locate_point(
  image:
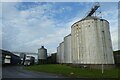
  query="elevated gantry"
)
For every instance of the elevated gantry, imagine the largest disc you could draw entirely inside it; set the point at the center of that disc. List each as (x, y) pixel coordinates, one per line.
(93, 9)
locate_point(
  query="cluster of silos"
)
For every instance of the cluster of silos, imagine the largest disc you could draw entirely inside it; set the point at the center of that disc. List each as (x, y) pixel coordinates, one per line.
(89, 43)
(42, 55)
(64, 50)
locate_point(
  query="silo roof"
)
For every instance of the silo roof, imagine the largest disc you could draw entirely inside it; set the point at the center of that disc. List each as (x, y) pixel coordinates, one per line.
(89, 18)
(42, 47)
(67, 35)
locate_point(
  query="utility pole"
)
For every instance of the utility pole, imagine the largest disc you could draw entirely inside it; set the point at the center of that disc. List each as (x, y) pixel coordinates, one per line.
(102, 68)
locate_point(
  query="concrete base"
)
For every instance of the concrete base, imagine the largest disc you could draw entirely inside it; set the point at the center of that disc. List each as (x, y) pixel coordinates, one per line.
(42, 61)
(94, 66)
(105, 66)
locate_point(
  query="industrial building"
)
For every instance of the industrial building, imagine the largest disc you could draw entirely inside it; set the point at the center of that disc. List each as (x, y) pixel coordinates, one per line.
(9, 58)
(52, 58)
(117, 57)
(42, 55)
(89, 42)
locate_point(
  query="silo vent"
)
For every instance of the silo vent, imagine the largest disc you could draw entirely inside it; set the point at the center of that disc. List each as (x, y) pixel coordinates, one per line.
(42, 46)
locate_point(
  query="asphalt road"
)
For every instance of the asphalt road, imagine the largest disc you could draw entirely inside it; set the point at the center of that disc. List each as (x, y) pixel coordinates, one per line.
(19, 72)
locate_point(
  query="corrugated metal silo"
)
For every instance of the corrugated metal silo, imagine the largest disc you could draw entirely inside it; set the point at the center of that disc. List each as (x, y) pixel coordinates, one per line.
(58, 54)
(67, 49)
(91, 41)
(42, 53)
(62, 52)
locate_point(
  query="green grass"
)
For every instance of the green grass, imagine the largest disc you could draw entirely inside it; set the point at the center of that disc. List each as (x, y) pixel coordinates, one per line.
(74, 72)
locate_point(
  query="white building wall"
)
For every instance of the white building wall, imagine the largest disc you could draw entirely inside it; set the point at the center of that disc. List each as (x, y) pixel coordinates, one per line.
(67, 49)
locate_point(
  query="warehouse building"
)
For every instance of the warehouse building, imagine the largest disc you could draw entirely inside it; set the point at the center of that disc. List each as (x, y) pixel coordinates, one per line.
(52, 58)
(117, 57)
(9, 58)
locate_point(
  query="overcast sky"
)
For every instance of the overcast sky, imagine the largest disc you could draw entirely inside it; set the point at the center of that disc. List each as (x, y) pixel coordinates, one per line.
(26, 26)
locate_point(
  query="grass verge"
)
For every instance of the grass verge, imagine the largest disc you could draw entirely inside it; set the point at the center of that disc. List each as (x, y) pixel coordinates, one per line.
(74, 72)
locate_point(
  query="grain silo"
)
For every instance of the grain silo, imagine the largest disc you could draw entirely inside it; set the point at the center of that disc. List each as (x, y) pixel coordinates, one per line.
(58, 54)
(91, 41)
(42, 55)
(67, 49)
(62, 52)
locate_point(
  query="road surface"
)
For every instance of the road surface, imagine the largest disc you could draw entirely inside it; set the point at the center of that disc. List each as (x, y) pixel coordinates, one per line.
(19, 72)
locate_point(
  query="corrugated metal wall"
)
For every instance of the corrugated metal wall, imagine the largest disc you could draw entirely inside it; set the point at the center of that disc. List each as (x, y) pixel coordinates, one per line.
(91, 42)
(42, 53)
(67, 49)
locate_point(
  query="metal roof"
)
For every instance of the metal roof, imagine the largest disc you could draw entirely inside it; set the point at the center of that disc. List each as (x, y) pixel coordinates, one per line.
(89, 18)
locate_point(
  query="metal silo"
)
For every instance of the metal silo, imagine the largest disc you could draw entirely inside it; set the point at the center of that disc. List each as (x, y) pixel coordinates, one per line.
(91, 41)
(67, 49)
(42, 55)
(62, 52)
(58, 54)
